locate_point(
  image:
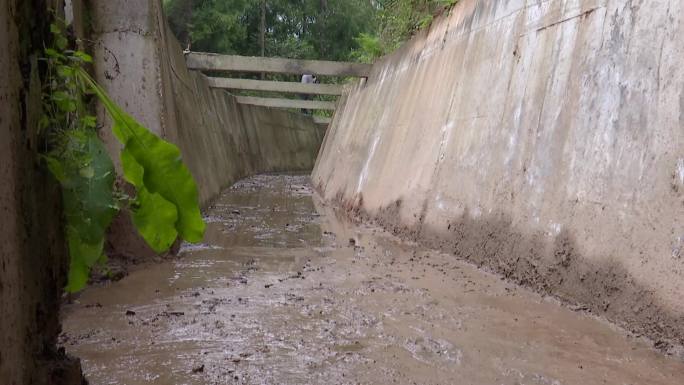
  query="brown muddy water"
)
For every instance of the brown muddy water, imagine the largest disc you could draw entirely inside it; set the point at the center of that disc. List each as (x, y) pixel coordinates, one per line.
(285, 292)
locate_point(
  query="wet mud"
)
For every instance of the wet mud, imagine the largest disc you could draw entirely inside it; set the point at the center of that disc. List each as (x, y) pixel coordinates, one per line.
(283, 291)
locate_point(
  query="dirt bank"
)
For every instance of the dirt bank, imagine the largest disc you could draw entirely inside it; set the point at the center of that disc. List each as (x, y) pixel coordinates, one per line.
(285, 292)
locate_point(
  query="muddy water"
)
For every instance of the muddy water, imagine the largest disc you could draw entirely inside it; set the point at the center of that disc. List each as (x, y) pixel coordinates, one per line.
(283, 292)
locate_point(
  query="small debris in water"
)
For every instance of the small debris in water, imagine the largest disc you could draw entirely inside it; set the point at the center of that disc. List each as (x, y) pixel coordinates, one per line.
(173, 313)
(579, 308)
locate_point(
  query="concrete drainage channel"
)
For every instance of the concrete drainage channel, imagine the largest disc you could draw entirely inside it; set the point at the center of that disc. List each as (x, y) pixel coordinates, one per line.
(284, 291)
(539, 140)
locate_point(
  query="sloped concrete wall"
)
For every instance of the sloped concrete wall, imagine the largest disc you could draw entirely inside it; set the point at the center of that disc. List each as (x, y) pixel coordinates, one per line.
(543, 140)
(141, 65)
(222, 140)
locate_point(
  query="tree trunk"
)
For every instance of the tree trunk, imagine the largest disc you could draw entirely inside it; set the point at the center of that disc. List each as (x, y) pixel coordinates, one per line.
(322, 15)
(262, 33)
(187, 10)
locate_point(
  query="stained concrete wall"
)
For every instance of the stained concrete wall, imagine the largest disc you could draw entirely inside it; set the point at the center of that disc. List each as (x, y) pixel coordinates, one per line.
(543, 140)
(141, 65)
(223, 141)
(33, 257)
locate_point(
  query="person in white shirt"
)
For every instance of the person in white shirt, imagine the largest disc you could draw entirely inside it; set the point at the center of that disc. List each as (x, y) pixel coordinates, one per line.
(307, 79)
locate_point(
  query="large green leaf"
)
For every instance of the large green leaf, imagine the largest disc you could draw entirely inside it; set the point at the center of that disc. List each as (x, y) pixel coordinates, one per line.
(166, 204)
(155, 219)
(86, 174)
(155, 168)
(83, 258)
(153, 216)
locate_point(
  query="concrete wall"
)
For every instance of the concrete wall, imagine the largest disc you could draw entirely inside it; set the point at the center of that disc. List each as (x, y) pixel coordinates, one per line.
(222, 140)
(33, 257)
(141, 65)
(543, 140)
(143, 69)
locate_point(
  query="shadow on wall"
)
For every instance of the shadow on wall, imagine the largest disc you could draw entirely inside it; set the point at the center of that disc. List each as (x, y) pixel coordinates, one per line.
(553, 267)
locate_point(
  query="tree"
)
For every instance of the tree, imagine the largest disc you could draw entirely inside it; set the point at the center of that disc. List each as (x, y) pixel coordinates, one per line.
(210, 25)
(396, 21)
(312, 29)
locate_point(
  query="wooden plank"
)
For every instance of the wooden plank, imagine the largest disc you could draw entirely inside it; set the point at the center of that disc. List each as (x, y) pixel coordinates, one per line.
(263, 85)
(286, 103)
(322, 119)
(233, 63)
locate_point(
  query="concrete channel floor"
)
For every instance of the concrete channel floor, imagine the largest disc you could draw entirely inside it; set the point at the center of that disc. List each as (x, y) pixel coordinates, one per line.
(285, 292)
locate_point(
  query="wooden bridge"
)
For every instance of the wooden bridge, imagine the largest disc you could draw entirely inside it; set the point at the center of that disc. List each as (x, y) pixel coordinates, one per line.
(219, 68)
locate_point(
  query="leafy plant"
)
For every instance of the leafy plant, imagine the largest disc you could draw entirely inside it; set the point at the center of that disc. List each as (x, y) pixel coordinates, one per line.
(369, 49)
(447, 3)
(306, 29)
(167, 195)
(166, 202)
(425, 21)
(397, 21)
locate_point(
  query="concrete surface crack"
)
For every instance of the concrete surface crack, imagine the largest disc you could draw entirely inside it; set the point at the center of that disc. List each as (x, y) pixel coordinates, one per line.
(583, 14)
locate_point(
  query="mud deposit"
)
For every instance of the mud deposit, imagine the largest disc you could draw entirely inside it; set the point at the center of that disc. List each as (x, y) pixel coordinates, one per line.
(284, 292)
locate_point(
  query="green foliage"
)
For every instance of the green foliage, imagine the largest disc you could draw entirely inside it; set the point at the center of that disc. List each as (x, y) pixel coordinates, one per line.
(166, 204)
(164, 184)
(86, 174)
(308, 29)
(77, 160)
(209, 25)
(341, 30)
(369, 49)
(397, 21)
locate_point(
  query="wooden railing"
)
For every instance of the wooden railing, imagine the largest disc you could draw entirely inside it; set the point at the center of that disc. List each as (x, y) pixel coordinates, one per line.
(219, 65)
